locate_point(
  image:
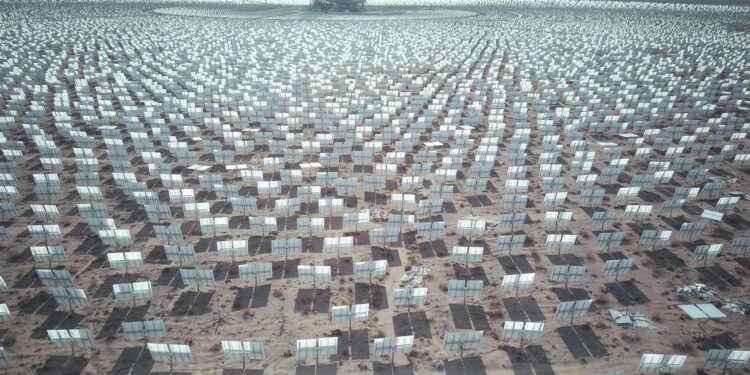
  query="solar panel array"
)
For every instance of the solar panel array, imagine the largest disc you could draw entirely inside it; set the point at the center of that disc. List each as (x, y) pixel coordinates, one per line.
(252, 350)
(522, 330)
(726, 359)
(170, 353)
(518, 282)
(317, 347)
(462, 340)
(409, 296)
(388, 346)
(348, 314)
(71, 338)
(142, 161)
(146, 329)
(4, 361)
(661, 363)
(571, 309)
